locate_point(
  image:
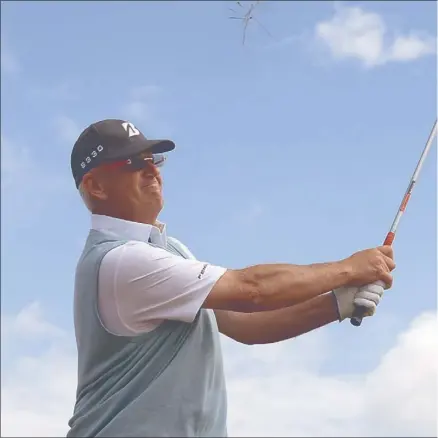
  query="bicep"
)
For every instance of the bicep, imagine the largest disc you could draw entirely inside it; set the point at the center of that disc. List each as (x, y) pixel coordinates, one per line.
(229, 292)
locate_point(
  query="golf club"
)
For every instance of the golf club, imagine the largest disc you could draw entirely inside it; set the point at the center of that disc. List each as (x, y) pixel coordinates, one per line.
(359, 312)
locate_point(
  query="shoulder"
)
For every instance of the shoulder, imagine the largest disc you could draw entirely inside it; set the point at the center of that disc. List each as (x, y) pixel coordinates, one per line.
(133, 255)
(180, 247)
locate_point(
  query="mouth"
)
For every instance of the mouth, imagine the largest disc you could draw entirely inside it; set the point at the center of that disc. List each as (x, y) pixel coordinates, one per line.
(152, 182)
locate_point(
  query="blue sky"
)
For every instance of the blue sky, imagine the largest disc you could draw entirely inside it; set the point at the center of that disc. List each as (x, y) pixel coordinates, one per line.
(296, 148)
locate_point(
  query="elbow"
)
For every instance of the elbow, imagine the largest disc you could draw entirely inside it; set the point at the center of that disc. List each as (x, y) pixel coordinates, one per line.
(248, 342)
(243, 339)
(257, 339)
(237, 290)
(251, 298)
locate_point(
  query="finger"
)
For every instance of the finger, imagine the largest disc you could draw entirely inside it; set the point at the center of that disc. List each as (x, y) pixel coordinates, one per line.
(389, 262)
(366, 296)
(366, 302)
(376, 288)
(386, 250)
(386, 277)
(369, 311)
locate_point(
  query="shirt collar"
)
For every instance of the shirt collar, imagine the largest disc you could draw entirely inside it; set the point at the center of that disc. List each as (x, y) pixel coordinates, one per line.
(130, 230)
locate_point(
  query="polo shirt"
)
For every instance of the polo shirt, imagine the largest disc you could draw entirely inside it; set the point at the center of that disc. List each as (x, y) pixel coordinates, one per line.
(141, 284)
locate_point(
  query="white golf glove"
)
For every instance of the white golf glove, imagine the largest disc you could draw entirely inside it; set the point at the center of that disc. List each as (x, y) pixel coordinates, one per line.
(368, 297)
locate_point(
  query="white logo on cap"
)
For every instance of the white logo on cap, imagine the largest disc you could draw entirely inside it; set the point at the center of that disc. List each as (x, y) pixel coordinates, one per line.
(130, 129)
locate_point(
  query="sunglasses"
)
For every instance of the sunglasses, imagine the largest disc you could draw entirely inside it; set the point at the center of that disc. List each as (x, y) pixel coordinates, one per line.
(138, 162)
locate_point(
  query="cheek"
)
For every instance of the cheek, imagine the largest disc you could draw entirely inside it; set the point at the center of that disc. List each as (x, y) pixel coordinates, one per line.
(122, 186)
(149, 179)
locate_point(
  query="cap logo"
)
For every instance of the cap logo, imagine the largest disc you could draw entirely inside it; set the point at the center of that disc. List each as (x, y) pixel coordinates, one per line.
(87, 160)
(130, 129)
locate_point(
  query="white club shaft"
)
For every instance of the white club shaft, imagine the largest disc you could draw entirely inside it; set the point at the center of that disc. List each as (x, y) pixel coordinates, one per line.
(414, 178)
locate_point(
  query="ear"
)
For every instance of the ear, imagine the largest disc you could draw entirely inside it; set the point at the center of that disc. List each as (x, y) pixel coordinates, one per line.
(94, 186)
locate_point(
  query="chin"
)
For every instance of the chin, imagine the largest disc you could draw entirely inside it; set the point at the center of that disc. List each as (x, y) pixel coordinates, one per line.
(158, 203)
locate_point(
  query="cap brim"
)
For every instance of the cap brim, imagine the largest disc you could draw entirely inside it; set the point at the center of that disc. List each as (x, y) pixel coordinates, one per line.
(159, 146)
(153, 146)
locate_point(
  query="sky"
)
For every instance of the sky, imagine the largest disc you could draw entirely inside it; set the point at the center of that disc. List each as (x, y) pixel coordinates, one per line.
(295, 147)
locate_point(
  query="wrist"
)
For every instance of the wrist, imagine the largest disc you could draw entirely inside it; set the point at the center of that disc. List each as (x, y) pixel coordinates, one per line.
(344, 297)
(336, 305)
(345, 273)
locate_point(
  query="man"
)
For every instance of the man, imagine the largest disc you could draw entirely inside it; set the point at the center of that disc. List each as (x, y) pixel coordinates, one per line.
(148, 314)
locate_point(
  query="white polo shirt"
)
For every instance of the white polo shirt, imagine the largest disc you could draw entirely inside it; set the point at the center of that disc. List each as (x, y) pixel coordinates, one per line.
(140, 285)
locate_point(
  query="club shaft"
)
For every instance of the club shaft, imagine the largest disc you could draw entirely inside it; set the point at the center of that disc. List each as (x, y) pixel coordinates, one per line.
(414, 178)
(359, 312)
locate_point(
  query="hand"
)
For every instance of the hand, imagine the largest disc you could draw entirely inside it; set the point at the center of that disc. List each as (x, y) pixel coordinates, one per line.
(371, 265)
(368, 296)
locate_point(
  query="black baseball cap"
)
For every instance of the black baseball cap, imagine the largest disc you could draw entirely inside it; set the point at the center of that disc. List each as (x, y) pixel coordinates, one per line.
(111, 140)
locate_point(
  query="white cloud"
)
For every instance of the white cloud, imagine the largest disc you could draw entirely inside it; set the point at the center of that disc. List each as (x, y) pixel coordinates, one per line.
(397, 398)
(410, 47)
(274, 390)
(36, 389)
(29, 322)
(355, 33)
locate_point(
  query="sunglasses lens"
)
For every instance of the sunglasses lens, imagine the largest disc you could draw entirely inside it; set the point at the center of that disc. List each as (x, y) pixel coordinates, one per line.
(138, 163)
(159, 159)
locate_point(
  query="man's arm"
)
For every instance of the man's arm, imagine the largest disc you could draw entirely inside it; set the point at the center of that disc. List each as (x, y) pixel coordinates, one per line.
(140, 285)
(274, 286)
(278, 325)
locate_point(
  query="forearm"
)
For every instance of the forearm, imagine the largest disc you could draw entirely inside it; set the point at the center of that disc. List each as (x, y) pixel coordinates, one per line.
(276, 286)
(278, 325)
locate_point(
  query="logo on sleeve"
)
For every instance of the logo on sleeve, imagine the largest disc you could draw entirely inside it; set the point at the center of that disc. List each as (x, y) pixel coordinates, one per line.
(202, 271)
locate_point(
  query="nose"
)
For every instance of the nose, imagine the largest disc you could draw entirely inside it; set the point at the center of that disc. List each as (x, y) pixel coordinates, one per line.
(151, 169)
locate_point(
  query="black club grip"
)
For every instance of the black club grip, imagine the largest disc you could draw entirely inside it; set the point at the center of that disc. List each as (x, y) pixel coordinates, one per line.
(358, 314)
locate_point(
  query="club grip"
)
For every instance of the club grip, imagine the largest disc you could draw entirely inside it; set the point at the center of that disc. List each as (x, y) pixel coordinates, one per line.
(358, 315)
(360, 311)
(389, 238)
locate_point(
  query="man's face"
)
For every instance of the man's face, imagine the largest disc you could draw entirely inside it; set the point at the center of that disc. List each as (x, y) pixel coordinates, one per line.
(135, 189)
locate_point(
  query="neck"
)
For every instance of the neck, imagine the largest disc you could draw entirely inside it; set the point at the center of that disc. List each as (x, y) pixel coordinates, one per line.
(143, 217)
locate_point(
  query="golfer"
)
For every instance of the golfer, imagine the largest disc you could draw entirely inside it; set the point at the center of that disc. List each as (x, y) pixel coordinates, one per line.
(148, 315)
